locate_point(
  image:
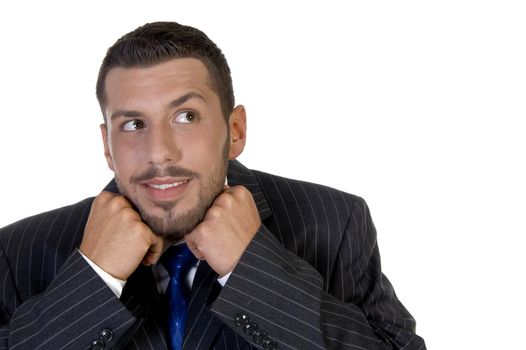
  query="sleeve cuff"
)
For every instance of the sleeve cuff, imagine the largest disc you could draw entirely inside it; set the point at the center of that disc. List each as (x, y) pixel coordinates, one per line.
(116, 285)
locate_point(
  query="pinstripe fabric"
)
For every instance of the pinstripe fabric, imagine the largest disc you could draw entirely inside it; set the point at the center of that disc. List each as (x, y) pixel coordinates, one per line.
(310, 279)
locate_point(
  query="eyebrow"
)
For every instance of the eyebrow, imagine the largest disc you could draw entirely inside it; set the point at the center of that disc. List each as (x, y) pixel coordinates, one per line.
(174, 104)
(184, 98)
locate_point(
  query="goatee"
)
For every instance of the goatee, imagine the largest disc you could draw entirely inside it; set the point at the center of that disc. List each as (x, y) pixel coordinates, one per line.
(174, 225)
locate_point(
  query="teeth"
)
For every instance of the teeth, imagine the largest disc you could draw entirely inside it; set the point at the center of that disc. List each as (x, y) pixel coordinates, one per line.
(166, 186)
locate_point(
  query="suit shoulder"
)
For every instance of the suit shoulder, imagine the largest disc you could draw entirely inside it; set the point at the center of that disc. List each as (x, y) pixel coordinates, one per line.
(66, 218)
(266, 178)
(298, 190)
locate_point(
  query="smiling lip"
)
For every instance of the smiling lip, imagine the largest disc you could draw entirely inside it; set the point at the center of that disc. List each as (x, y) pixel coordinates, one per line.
(162, 189)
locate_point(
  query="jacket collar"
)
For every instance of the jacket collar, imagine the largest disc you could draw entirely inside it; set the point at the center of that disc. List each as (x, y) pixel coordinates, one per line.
(240, 175)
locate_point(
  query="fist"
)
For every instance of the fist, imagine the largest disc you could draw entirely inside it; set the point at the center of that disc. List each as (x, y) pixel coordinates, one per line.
(226, 230)
(116, 239)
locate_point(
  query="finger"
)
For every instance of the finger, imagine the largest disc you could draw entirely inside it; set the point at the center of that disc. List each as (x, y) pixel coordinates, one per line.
(197, 253)
(223, 199)
(113, 202)
(190, 242)
(106, 196)
(154, 253)
(235, 190)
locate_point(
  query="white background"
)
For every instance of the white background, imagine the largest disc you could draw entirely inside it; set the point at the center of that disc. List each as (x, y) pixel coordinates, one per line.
(416, 106)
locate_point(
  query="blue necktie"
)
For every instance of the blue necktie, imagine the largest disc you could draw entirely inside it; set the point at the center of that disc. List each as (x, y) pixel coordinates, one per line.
(177, 260)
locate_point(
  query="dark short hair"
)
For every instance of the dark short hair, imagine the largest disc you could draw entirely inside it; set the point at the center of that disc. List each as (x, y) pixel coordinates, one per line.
(158, 42)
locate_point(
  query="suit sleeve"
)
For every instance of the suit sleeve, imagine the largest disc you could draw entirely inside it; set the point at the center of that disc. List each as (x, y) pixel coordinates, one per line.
(274, 299)
(76, 310)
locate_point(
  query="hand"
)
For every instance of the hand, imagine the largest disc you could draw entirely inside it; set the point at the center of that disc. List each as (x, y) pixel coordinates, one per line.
(116, 239)
(226, 230)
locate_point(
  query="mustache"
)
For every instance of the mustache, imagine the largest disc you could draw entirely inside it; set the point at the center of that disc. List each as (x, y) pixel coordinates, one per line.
(172, 171)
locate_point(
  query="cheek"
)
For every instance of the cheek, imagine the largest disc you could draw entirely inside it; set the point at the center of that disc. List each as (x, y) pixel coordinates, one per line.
(200, 150)
(122, 167)
(125, 157)
(204, 150)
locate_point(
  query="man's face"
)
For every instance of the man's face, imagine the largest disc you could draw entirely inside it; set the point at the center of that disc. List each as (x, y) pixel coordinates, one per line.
(167, 142)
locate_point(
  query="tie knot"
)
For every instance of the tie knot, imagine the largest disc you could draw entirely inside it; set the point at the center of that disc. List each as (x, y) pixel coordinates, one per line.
(177, 260)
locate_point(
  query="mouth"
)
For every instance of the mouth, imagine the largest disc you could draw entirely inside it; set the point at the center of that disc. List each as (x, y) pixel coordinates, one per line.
(166, 189)
(165, 186)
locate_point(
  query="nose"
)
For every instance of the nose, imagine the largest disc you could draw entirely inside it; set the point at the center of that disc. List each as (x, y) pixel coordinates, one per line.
(162, 145)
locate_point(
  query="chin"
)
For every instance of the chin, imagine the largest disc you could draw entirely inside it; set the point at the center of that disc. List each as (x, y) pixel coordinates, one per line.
(173, 224)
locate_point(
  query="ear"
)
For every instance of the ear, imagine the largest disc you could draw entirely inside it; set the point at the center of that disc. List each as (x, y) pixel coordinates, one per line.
(238, 131)
(107, 153)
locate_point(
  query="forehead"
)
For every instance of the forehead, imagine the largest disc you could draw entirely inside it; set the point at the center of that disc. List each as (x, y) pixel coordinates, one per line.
(172, 75)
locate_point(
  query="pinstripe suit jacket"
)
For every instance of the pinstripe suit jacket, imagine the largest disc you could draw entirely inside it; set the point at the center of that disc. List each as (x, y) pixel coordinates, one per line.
(310, 279)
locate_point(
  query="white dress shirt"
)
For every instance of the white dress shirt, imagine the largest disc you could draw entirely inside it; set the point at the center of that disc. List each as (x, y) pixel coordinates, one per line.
(160, 274)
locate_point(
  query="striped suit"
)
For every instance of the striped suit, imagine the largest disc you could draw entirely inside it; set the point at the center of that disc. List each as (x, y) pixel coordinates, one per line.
(310, 279)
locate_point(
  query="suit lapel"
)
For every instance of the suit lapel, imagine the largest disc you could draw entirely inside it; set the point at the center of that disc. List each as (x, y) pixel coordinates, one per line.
(202, 326)
(142, 299)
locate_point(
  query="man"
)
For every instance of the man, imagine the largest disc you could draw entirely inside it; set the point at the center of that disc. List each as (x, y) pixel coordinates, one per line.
(281, 263)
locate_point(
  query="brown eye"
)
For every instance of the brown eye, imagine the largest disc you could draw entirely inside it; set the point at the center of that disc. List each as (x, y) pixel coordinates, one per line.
(133, 125)
(187, 117)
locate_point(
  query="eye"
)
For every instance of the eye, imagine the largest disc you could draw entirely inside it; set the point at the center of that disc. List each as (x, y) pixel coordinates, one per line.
(187, 117)
(133, 125)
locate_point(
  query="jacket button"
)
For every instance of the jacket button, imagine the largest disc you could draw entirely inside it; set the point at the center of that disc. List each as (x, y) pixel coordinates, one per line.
(250, 328)
(260, 336)
(97, 344)
(106, 335)
(270, 344)
(241, 320)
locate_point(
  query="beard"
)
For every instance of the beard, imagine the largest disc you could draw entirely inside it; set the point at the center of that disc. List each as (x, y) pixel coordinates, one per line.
(174, 225)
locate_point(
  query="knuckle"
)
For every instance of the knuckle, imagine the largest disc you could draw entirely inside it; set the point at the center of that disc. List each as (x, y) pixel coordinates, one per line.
(240, 193)
(120, 200)
(204, 231)
(128, 214)
(214, 212)
(239, 190)
(221, 198)
(244, 192)
(140, 237)
(106, 196)
(229, 200)
(118, 203)
(199, 235)
(100, 199)
(114, 206)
